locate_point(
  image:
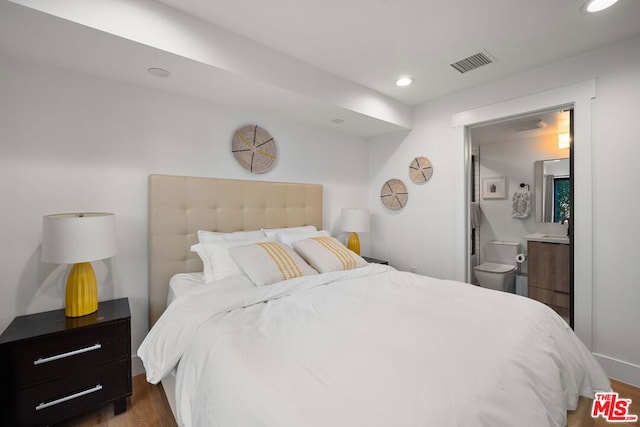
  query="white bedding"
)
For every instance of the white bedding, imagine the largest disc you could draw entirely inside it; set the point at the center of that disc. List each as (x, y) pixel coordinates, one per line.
(182, 283)
(368, 347)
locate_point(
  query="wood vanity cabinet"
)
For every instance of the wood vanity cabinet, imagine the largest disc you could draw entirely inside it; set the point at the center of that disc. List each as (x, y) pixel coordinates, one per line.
(549, 280)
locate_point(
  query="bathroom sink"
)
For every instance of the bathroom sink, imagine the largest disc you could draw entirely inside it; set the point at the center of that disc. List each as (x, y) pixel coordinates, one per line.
(550, 238)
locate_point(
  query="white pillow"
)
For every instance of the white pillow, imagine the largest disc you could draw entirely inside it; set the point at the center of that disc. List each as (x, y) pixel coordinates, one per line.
(270, 262)
(271, 232)
(290, 237)
(216, 260)
(216, 236)
(327, 254)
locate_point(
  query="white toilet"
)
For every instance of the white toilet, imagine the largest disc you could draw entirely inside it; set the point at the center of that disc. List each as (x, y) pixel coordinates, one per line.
(498, 271)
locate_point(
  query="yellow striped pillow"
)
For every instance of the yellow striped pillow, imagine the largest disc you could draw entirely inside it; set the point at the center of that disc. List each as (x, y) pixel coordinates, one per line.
(270, 262)
(328, 254)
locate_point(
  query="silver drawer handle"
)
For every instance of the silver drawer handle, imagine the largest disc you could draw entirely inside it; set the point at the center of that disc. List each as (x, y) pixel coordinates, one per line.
(70, 353)
(43, 405)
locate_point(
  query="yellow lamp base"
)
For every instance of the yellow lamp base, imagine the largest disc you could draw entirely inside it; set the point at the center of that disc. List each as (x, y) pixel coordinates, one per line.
(354, 243)
(82, 291)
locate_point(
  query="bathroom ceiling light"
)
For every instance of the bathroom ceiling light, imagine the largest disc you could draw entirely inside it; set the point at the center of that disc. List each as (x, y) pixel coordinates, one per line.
(598, 5)
(564, 141)
(404, 81)
(159, 72)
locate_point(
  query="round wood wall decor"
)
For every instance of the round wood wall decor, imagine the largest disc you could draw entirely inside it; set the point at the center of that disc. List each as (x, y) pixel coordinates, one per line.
(420, 170)
(254, 148)
(394, 194)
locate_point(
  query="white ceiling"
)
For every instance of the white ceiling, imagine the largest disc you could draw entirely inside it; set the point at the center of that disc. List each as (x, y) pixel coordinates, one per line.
(530, 126)
(372, 42)
(309, 60)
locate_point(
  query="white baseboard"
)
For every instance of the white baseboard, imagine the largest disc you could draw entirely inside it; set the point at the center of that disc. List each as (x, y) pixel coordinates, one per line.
(137, 367)
(625, 372)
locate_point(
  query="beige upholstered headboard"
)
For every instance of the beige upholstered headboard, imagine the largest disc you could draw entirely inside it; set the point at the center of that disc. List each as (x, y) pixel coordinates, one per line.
(179, 206)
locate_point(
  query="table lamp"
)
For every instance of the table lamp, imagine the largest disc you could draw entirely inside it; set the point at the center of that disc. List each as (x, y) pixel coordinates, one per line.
(355, 221)
(78, 239)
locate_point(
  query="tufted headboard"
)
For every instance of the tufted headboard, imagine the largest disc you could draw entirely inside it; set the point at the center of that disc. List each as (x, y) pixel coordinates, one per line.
(179, 206)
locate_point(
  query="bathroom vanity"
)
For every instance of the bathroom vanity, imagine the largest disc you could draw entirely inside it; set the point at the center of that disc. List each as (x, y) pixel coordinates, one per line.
(549, 272)
(549, 255)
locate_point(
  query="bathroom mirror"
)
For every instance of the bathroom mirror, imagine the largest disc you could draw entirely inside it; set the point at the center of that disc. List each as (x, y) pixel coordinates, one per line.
(552, 190)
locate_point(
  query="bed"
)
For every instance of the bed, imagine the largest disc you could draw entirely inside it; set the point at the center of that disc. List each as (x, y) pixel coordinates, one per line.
(366, 346)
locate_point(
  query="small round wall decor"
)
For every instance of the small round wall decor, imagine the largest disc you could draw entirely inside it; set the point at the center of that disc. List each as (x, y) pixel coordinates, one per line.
(394, 194)
(254, 148)
(420, 170)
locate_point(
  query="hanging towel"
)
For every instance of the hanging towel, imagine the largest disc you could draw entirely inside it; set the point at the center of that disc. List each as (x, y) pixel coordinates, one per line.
(521, 207)
(474, 215)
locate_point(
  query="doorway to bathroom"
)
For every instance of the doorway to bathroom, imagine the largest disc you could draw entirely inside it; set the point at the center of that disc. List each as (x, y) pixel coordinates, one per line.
(521, 197)
(579, 96)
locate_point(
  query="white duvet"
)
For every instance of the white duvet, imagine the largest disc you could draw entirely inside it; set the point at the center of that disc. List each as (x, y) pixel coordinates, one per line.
(368, 347)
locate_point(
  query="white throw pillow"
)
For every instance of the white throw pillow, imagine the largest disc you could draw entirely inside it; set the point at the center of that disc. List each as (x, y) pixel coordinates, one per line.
(271, 232)
(270, 262)
(327, 254)
(216, 260)
(289, 237)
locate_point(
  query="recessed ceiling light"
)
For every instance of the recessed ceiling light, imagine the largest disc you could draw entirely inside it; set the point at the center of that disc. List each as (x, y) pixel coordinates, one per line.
(598, 5)
(404, 81)
(159, 72)
(337, 121)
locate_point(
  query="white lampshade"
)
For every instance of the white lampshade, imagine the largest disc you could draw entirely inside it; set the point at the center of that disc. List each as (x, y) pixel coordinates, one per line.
(355, 220)
(70, 238)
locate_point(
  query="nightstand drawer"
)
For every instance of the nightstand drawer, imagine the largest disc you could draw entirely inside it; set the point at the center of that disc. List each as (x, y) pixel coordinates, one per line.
(55, 400)
(47, 357)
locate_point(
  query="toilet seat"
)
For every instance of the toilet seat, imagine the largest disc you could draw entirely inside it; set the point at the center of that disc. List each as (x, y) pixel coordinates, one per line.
(492, 267)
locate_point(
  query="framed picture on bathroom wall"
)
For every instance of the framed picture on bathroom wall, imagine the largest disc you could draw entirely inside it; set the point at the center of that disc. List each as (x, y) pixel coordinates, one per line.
(494, 188)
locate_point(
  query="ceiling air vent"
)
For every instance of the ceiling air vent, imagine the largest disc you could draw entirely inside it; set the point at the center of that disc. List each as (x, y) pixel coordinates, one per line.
(472, 62)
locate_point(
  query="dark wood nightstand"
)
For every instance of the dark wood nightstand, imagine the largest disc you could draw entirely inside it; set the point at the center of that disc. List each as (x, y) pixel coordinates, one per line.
(53, 367)
(375, 260)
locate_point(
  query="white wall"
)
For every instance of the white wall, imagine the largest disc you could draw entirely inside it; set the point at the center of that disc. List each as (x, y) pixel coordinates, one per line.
(423, 233)
(72, 142)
